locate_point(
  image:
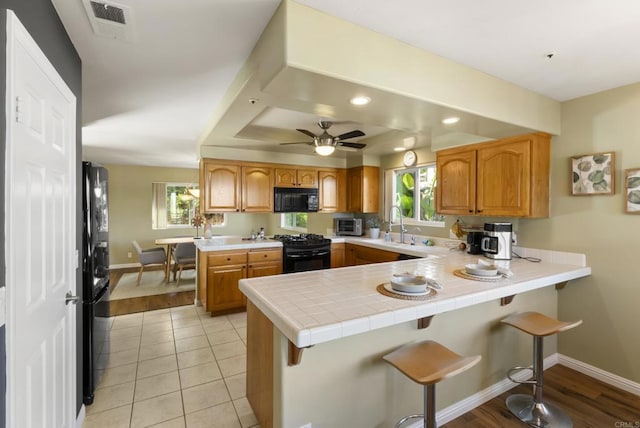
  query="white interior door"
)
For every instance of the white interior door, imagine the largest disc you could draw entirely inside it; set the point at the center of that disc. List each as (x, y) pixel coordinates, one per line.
(40, 238)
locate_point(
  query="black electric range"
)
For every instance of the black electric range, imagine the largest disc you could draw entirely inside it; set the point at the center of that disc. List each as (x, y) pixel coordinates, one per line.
(304, 252)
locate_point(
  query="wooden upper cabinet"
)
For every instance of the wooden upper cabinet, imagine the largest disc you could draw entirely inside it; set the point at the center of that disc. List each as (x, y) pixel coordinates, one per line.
(507, 177)
(229, 187)
(363, 187)
(257, 189)
(220, 187)
(332, 193)
(296, 177)
(457, 174)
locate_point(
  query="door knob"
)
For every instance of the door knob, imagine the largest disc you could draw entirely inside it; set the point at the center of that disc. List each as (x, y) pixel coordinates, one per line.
(70, 298)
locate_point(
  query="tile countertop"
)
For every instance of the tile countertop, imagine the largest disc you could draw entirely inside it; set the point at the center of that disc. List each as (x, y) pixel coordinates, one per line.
(231, 242)
(324, 305)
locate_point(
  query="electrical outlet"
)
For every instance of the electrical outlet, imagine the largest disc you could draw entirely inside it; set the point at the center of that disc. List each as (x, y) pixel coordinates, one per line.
(129, 255)
(514, 239)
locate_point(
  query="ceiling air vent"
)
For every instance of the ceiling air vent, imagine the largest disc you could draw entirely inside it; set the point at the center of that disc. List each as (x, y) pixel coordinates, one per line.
(110, 13)
(110, 19)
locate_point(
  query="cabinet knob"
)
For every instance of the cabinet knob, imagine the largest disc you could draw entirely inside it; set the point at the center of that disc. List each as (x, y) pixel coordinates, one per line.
(266, 255)
(228, 258)
(479, 211)
(471, 211)
(237, 209)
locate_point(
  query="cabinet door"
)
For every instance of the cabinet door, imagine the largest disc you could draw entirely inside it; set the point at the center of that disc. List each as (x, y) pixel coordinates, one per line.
(264, 269)
(337, 255)
(307, 178)
(220, 187)
(456, 188)
(223, 292)
(365, 255)
(354, 190)
(363, 185)
(328, 191)
(503, 179)
(257, 189)
(285, 177)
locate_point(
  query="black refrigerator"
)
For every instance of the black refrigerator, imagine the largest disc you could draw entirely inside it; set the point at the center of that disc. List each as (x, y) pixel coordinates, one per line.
(95, 276)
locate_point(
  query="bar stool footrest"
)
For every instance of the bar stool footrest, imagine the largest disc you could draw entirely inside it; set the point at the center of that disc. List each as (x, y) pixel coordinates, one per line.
(540, 415)
(518, 368)
(402, 421)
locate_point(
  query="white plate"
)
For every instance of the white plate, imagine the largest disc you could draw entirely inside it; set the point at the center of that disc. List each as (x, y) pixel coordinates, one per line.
(387, 286)
(481, 270)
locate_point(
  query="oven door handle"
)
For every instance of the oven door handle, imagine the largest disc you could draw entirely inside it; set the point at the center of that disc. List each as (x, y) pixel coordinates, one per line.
(298, 256)
(321, 253)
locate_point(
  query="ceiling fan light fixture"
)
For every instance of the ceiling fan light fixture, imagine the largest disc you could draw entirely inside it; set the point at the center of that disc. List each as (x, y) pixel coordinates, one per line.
(360, 100)
(324, 150)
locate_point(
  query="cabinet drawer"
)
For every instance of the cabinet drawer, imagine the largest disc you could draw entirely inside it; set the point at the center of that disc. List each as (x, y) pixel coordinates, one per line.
(226, 258)
(265, 255)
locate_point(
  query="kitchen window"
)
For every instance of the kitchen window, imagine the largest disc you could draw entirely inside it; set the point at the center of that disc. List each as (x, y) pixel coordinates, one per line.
(414, 191)
(294, 221)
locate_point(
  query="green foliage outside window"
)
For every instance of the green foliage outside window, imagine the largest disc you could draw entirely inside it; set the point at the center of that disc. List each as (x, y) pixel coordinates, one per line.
(415, 193)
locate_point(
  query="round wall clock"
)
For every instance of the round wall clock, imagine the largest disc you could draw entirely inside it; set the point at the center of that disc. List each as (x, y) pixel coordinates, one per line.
(409, 158)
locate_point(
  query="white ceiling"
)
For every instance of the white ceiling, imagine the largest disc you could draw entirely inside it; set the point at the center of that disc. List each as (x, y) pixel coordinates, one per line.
(146, 102)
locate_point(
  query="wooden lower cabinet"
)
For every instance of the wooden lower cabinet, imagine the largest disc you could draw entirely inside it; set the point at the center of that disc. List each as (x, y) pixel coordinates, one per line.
(222, 270)
(338, 255)
(265, 263)
(359, 255)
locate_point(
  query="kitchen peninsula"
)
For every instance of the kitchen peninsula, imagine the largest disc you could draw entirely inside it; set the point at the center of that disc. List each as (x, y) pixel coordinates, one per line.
(315, 339)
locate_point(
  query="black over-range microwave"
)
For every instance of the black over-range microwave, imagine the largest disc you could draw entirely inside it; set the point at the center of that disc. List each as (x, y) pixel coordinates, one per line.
(295, 200)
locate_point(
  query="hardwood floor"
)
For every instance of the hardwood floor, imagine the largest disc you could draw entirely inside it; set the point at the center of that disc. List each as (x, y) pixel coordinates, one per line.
(146, 303)
(589, 402)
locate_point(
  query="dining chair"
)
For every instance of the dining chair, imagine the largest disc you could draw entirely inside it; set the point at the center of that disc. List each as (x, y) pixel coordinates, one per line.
(184, 256)
(149, 257)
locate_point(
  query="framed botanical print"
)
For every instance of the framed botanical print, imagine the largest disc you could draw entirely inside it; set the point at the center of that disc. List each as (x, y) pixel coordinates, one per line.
(593, 174)
(632, 190)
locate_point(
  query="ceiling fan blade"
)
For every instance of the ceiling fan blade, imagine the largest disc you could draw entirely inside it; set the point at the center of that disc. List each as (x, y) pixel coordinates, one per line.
(310, 143)
(353, 134)
(352, 145)
(305, 132)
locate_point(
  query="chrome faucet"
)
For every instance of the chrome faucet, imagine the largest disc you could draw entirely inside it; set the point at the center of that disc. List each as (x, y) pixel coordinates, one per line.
(402, 228)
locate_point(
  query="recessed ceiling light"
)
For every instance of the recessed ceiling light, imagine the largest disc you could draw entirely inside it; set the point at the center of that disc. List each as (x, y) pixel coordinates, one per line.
(450, 120)
(360, 101)
(399, 149)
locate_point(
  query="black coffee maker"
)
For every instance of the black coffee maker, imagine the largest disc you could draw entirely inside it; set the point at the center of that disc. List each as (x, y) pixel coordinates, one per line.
(474, 242)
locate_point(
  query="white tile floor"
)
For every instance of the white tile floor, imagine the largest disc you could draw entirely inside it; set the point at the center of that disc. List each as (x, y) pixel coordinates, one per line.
(175, 367)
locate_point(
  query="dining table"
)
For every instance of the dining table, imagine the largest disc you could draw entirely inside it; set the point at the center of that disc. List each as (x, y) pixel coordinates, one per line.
(171, 243)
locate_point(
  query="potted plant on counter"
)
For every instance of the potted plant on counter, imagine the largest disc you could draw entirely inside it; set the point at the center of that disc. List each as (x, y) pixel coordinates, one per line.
(374, 227)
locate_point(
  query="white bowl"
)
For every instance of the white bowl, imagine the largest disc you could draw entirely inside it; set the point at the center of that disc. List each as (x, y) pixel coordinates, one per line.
(409, 283)
(481, 270)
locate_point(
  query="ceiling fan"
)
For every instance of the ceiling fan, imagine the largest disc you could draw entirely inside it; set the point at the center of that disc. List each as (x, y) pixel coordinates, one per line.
(325, 143)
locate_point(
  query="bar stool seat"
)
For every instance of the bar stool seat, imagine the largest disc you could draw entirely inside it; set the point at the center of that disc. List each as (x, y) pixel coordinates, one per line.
(428, 363)
(532, 409)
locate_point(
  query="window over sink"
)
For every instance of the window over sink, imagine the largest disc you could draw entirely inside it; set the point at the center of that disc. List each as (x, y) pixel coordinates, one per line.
(414, 191)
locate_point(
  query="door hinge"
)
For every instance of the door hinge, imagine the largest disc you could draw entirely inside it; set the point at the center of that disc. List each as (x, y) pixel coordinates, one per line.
(19, 109)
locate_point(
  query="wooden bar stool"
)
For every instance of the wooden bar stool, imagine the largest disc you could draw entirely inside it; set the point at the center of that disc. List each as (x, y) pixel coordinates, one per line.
(427, 363)
(531, 409)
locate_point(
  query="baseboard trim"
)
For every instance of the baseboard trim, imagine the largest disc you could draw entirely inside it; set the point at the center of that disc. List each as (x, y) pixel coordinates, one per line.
(124, 266)
(601, 375)
(479, 398)
(81, 416)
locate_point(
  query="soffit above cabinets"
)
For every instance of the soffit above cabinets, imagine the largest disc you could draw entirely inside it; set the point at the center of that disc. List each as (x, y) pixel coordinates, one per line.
(297, 75)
